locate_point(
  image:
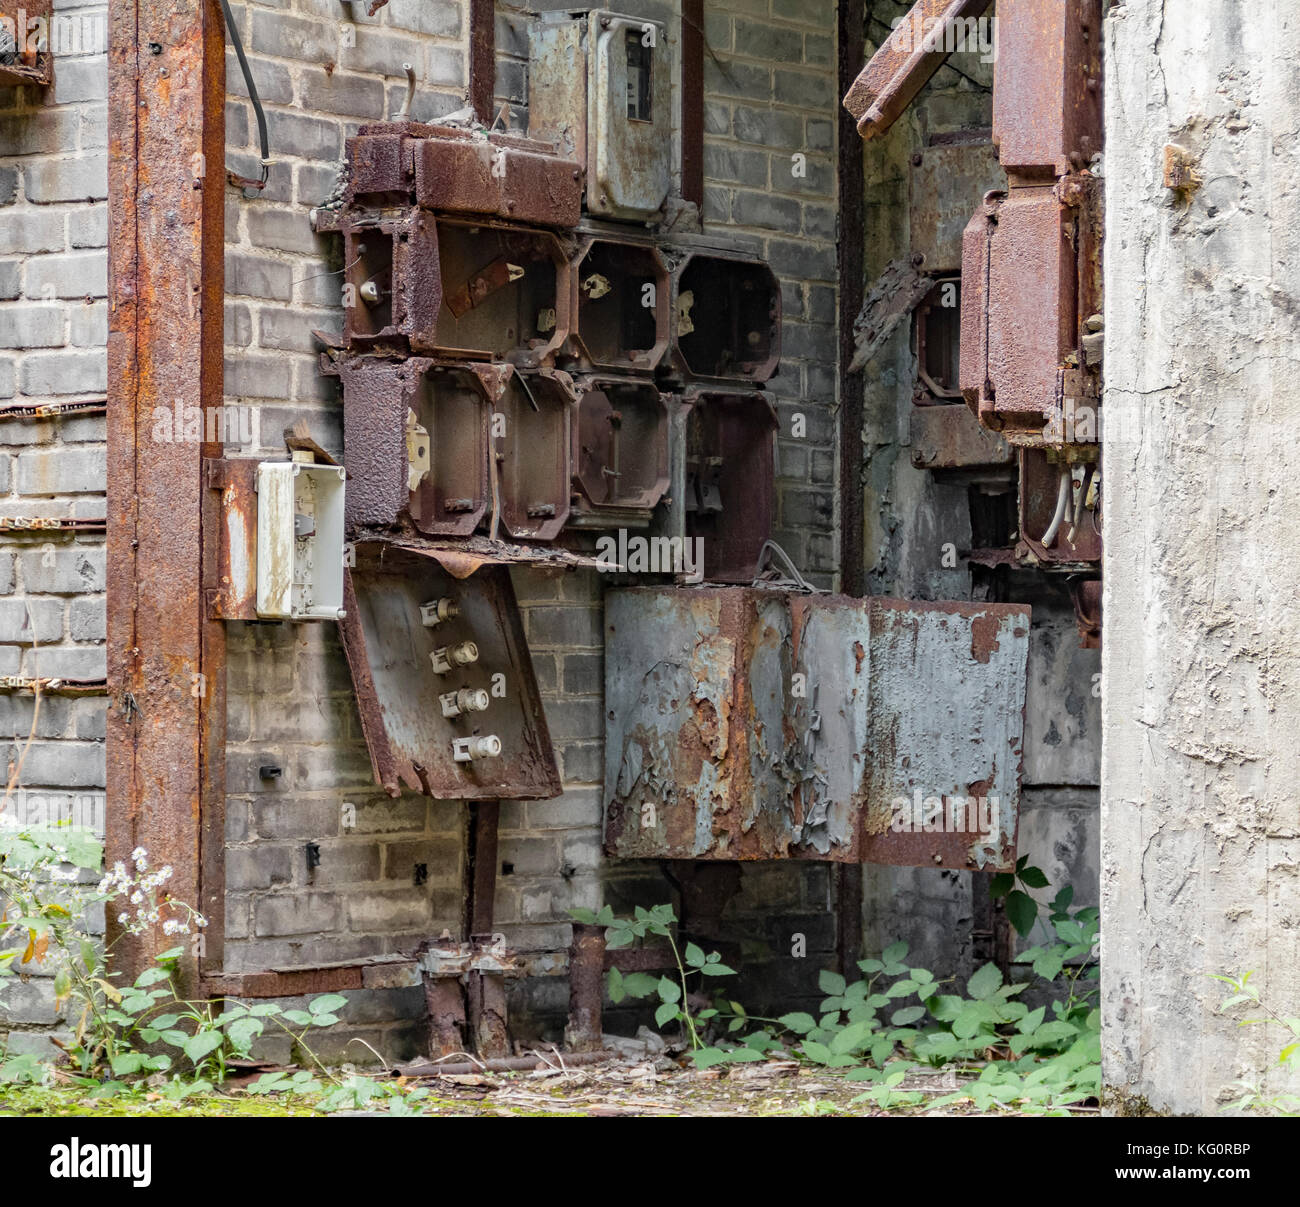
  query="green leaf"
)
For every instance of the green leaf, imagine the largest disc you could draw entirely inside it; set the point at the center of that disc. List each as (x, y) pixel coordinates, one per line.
(745, 1055)
(1031, 1021)
(850, 1038)
(799, 1022)
(669, 990)
(706, 1058)
(616, 991)
(1022, 909)
(327, 1003)
(666, 1012)
(906, 1016)
(717, 970)
(985, 982)
(200, 1045)
(639, 984)
(586, 916)
(1034, 878)
(830, 982)
(125, 1063)
(870, 965)
(894, 952)
(815, 1051)
(1001, 885)
(172, 953)
(694, 956)
(151, 976)
(901, 989)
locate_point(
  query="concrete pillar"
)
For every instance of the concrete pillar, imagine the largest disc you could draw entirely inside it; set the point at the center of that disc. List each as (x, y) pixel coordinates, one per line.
(1201, 651)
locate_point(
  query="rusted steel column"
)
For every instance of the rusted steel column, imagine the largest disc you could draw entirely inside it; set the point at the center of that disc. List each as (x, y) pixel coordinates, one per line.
(693, 101)
(586, 987)
(445, 999)
(166, 660)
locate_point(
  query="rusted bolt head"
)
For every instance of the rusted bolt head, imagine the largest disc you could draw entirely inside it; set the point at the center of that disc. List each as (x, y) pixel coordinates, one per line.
(918, 259)
(917, 159)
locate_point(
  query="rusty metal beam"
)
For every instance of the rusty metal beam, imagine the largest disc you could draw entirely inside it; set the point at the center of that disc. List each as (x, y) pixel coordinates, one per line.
(166, 661)
(904, 63)
(693, 99)
(482, 58)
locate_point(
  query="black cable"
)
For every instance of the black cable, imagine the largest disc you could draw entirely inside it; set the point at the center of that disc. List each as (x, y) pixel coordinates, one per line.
(252, 90)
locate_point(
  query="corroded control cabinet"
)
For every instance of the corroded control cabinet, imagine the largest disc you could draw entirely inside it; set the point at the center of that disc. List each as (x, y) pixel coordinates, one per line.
(762, 724)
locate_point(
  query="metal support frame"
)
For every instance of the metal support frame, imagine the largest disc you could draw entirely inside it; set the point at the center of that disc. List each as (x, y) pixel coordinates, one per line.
(166, 659)
(852, 265)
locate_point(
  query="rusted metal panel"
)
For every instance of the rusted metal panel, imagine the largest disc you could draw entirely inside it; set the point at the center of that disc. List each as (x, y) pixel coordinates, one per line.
(621, 306)
(946, 725)
(726, 318)
(26, 56)
(517, 179)
(905, 62)
(380, 168)
(946, 184)
(1019, 319)
(950, 437)
(894, 294)
(620, 449)
(1047, 86)
(392, 287)
(166, 659)
(730, 478)
(749, 724)
(374, 972)
(402, 667)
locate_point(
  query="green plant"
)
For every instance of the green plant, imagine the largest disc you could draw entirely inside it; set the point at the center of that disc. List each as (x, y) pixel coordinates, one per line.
(1022, 909)
(674, 994)
(1254, 1098)
(898, 1016)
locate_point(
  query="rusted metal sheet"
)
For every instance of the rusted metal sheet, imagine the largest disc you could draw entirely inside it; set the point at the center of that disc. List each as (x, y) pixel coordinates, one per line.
(166, 659)
(1047, 86)
(1019, 318)
(905, 62)
(1086, 595)
(620, 449)
(531, 438)
(750, 724)
(381, 172)
(950, 437)
(894, 294)
(621, 305)
(233, 596)
(730, 478)
(403, 668)
(726, 318)
(946, 183)
(374, 972)
(26, 56)
(392, 288)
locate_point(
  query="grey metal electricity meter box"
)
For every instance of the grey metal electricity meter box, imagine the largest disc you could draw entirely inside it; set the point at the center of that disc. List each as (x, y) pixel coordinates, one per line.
(600, 87)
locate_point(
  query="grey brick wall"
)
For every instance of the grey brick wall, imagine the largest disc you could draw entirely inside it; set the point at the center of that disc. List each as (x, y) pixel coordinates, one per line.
(769, 173)
(53, 332)
(289, 704)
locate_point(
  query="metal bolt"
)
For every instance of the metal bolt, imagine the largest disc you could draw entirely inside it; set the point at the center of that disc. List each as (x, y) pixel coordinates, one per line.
(917, 159)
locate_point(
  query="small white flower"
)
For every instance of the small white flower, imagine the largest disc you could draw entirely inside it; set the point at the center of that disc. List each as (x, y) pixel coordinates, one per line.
(123, 919)
(137, 897)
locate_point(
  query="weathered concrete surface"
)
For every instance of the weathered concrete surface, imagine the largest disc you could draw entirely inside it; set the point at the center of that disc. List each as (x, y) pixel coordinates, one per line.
(1201, 650)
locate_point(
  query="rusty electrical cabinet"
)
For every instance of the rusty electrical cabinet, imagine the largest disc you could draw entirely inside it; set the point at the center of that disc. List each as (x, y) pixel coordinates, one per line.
(621, 309)
(754, 724)
(730, 492)
(392, 289)
(445, 687)
(726, 316)
(1047, 86)
(621, 451)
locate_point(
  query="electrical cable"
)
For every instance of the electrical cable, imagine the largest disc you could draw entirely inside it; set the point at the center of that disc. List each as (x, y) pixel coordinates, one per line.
(263, 136)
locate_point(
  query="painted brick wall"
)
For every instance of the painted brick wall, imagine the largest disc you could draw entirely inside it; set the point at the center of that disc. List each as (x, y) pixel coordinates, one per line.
(53, 331)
